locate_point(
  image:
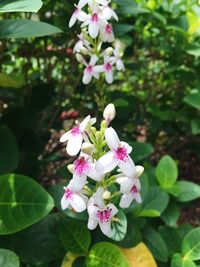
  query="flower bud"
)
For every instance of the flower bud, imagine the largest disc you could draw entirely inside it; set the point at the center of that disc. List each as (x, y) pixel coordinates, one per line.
(70, 168)
(84, 51)
(109, 113)
(139, 170)
(79, 58)
(106, 195)
(88, 148)
(108, 51)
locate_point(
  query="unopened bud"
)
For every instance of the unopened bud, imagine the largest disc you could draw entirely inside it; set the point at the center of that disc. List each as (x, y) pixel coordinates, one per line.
(88, 148)
(70, 168)
(139, 170)
(109, 51)
(106, 195)
(84, 51)
(79, 58)
(109, 113)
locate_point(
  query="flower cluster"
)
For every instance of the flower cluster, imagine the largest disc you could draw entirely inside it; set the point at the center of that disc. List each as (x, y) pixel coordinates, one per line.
(96, 30)
(100, 152)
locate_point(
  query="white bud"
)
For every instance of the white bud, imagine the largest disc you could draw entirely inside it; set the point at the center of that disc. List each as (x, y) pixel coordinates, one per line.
(139, 170)
(79, 58)
(109, 113)
(70, 168)
(106, 195)
(88, 148)
(109, 51)
(84, 51)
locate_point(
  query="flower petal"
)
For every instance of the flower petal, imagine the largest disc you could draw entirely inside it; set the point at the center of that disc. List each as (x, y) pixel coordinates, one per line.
(93, 30)
(74, 144)
(98, 199)
(77, 203)
(79, 181)
(93, 60)
(106, 163)
(84, 123)
(139, 170)
(93, 173)
(92, 224)
(72, 20)
(126, 145)
(109, 77)
(127, 167)
(64, 203)
(87, 77)
(112, 138)
(82, 16)
(99, 68)
(114, 210)
(125, 184)
(65, 137)
(126, 200)
(138, 198)
(82, 3)
(105, 228)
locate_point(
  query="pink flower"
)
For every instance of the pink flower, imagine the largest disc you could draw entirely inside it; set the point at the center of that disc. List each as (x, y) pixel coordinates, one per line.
(89, 71)
(75, 137)
(99, 213)
(107, 68)
(117, 156)
(78, 13)
(107, 34)
(73, 197)
(130, 187)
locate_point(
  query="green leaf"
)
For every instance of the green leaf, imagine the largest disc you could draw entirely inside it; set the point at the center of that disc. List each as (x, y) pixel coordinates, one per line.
(23, 202)
(179, 261)
(105, 254)
(121, 29)
(119, 227)
(9, 154)
(171, 214)
(20, 6)
(156, 244)
(194, 50)
(141, 150)
(191, 245)
(75, 236)
(187, 191)
(155, 202)
(8, 258)
(193, 98)
(195, 126)
(166, 172)
(13, 81)
(22, 28)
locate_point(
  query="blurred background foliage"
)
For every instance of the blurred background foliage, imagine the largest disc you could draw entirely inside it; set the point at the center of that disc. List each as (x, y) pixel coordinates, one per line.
(157, 97)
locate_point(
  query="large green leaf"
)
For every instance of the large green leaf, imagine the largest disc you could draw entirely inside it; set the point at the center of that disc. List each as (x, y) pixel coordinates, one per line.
(179, 261)
(191, 245)
(105, 254)
(75, 236)
(141, 150)
(20, 6)
(13, 81)
(23, 202)
(154, 204)
(171, 214)
(187, 191)
(166, 172)
(9, 155)
(8, 258)
(22, 28)
(193, 98)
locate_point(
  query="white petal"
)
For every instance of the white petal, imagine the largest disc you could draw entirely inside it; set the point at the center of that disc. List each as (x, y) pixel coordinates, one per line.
(120, 65)
(95, 75)
(65, 137)
(72, 20)
(77, 203)
(99, 68)
(127, 167)
(80, 181)
(105, 228)
(64, 203)
(138, 198)
(109, 77)
(106, 163)
(114, 210)
(74, 186)
(93, 30)
(93, 60)
(78, 46)
(139, 170)
(82, 16)
(87, 77)
(82, 3)
(84, 123)
(126, 184)
(92, 224)
(98, 199)
(112, 138)
(126, 145)
(92, 173)
(107, 13)
(126, 200)
(74, 144)
(85, 198)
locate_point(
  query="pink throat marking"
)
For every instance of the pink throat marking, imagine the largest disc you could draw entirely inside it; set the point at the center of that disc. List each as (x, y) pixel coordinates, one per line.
(121, 154)
(95, 17)
(81, 165)
(68, 193)
(108, 67)
(109, 29)
(104, 215)
(134, 190)
(89, 69)
(75, 131)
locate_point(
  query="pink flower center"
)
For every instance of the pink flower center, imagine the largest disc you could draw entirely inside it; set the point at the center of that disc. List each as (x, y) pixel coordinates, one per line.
(121, 153)
(109, 29)
(81, 165)
(75, 131)
(134, 189)
(89, 69)
(104, 215)
(108, 67)
(68, 193)
(95, 17)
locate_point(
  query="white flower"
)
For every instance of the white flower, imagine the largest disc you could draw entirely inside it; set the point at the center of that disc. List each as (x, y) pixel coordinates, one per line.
(99, 213)
(81, 44)
(118, 156)
(107, 68)
(108, 13)
(75, 137)
(89, 71)
(107, 34)
(73, 197)
(78, 14)
(117, 59)
(109, 113)
(130, 188)
(84, 167)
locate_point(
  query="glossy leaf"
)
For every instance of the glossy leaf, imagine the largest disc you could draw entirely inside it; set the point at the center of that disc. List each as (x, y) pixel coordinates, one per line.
(23, 202)
(22, 28)
(179, 261)
(171, 214)
(191, 245)
(187, 191)
(8, 258)
(105, 254)
(141, 150)
(20, 6)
